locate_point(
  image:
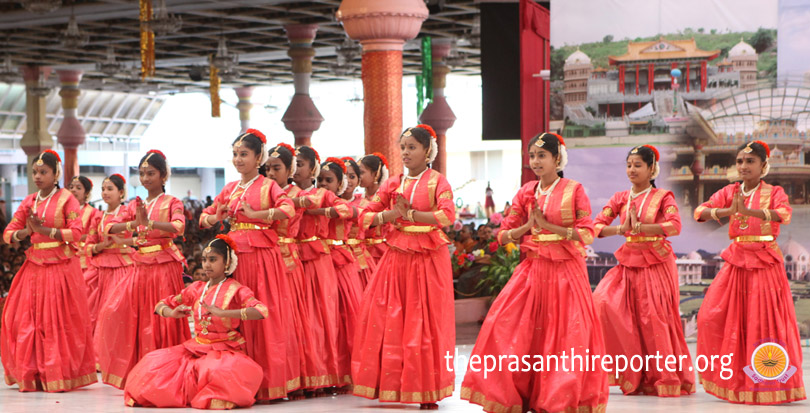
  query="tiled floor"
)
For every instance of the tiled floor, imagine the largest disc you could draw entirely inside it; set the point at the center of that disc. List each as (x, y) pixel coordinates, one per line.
(101, 398)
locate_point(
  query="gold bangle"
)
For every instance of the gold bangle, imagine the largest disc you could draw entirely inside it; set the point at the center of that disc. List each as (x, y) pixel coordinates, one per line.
(410, 215)
(14, 236)
(270, 213)
(160, 313)
(569, 233)
(767, 214)
(150, 225)
(129, 226)
(53, 233)
(243, 313)
(714, 214)
(380, 218)
(636, 228)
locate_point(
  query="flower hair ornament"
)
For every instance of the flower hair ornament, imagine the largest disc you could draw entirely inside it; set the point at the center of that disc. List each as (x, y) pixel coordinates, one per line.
(262, 138)
(275, 154)
(316, 170)
(381, 174)
(230, 260)
(58, 171)
(339, 163)
(657, 157)
(561, 149)
(152, 152)
(767, 168)
(121, 177)
(434, 146)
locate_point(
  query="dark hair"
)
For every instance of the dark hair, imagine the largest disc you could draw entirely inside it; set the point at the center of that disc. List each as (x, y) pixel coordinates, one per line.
(338, 171)
(284, 154)
(647, 155)
(221, 248)
(421, 135)
(550, 143)
(757, 149)
(117, 181)
(158, 162)
(48, 159)
(308, 154)
(351, 163)
(86, 183)
(253, 142)
(374, 164)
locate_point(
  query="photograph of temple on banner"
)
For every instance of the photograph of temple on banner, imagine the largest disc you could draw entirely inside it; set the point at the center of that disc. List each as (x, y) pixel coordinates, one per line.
(696, 85)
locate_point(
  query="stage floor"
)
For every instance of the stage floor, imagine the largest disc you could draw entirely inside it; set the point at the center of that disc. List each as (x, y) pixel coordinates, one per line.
(101, 398)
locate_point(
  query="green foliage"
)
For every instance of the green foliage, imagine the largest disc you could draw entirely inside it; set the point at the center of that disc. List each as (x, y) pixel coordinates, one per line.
(762, 39)
(607, 39)
(497, 274)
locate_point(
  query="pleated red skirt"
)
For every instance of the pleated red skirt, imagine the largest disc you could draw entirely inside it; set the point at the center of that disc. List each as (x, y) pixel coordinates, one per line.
(45, 340)
(350, 292)
(639, 311)
(271, 342)
(128, 328)
(319, 295)
(743, 309)
(101, 282)
(545, 309)
(405, 327)
(193, 375)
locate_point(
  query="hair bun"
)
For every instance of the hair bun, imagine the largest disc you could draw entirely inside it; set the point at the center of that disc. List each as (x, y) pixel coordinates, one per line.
(337, 162)
(120, 177)
(258, 134)
(428, 129)
(53, 152)
(157, 152)
(228, 241)
(287, 147)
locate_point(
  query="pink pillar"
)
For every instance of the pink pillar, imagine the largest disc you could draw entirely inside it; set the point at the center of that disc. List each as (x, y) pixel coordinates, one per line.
(71, 133)
(244, 106)
(36, 137)
(302, 117)
(438, 113)
(382, 27)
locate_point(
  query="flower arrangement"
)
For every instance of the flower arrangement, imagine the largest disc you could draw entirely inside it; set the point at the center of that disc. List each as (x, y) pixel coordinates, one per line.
(499, 272)
(461, 260)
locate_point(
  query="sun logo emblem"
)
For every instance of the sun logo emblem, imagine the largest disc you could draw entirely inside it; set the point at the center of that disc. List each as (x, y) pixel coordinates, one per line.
(769, 361)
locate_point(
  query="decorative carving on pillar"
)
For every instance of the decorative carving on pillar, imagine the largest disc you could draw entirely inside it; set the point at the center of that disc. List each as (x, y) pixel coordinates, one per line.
(438, 113)
(302, 117)
(382, 27)
(36, 137)
(244, 94)
(71, 133)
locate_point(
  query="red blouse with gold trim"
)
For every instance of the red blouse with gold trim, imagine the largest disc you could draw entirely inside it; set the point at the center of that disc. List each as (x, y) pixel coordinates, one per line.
(61, 211)
(567, 207)
(752, 254)
(262, 194)
(115, 255)
(432, 193)
(287, 230)
(156, 246)
(356, 236)
(314, 229)
(339, 230)
(89, 217)
(219, 333)
(659, 208)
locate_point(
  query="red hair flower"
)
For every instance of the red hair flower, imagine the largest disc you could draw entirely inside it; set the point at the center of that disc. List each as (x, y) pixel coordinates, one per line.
(258, 134)
(382, 158)
(655, 151)
(286, 146)
(347, 158)
(228, 241)
(52, 152)
(764, 145)
(559, 138)
(337, 162)
(317, 156)
(428, 129)
(120, 176)
(157, 152)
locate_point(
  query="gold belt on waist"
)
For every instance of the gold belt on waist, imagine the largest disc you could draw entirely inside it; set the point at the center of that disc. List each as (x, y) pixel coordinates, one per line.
(333, 242)
(115, 247)
(282, 240)
(154, 248)
(416, 229)
(310, 239)
(547, 238)
(353, 242)
(754, 238)
(203, 340)
(246, 226)
(374, 241)
(47, 245)
(639, 239)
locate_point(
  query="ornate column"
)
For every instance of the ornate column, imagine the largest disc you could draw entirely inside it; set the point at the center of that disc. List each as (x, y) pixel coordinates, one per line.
(71, 134)
(36, 137)
(244, 106)
(302, 117)
(382, 27)
(438, 113)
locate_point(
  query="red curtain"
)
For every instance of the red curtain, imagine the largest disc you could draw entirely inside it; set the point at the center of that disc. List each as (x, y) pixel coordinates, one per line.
(535, 55)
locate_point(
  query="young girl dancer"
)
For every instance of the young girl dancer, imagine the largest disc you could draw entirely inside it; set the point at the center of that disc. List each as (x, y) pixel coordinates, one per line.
(212, 370)
(252, 205)
(45, 341)
(355, 242)
(747, 323)
(81, 188)
(111, 256)
(373, 172)
(546, 307)
(406, 322)
(638, 300)
(127, 327)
